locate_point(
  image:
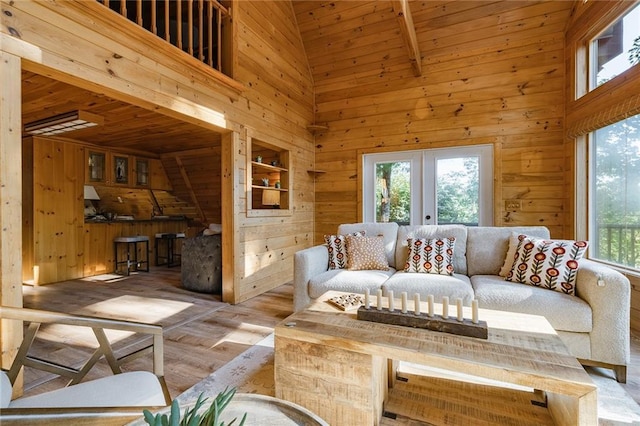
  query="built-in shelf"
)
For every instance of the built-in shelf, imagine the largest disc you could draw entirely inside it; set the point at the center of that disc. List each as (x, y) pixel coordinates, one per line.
(268, 177)
(269, 167)
(316, 172)
(272, 188)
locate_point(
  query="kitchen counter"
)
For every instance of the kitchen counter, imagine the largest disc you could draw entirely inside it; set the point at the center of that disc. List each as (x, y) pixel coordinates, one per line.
(155, 219)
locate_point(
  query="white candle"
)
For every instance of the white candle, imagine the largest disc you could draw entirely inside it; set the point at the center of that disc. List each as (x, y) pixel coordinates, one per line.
(430, 305)
(367, 302)
(459, 307)
(416, 303)
(404, 302)
(445, 307)
(391, 304)
(379, 305)
(474, 311)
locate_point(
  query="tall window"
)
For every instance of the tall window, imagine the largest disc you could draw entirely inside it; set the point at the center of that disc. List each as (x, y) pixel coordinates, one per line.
(437, 186)
(615, 193)
(616, 49)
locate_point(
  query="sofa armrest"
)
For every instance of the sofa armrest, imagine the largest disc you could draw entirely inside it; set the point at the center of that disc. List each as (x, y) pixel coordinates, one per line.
(608, 292)
(307, 263)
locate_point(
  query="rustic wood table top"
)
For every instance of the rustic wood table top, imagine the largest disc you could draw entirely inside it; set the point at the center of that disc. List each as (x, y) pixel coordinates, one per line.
(521, 349)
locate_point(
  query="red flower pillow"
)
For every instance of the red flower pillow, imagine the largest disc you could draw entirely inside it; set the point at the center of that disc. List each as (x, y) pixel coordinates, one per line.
(550, 264)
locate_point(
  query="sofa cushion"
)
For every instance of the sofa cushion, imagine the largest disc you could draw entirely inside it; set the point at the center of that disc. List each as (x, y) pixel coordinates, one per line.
(349, 281)
(454, 286)
(487, 246)
(548, 264)
(389, 232)
(564, 312)
(431, 256)
(337, 246)
(366, 253)
(459, 232)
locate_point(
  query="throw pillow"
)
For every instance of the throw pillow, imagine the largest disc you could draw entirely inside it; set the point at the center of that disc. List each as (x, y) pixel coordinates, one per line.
(431, 256)
(511, 255)
(336, 245)
(366, 253)
(551, 264)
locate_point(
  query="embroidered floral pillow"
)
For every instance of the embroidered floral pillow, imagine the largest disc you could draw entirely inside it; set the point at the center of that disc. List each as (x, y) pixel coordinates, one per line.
(431, 256)
(550, 264)
(337, 247)
(366, 253)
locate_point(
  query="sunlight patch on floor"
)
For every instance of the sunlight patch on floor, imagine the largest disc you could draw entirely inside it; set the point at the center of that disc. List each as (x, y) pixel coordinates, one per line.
(136, 308)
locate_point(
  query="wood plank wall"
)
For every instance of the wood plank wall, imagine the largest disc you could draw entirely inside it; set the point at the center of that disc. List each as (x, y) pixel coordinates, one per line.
(56, 239)
(273, 65)
(491, 73)
(611, 102)
(78, 43)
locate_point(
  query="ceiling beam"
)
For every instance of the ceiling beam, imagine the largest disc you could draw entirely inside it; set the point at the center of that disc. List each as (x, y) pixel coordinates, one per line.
(408, 30)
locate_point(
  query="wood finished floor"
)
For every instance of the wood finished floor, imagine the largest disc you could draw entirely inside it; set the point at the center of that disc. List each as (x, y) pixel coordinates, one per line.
(195, 347)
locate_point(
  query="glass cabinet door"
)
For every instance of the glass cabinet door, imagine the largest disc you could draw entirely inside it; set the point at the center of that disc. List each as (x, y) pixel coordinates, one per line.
(96, 167)
(121, 169)
(142, 172)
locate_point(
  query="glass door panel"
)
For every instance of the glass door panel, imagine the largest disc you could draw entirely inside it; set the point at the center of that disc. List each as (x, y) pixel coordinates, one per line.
(457, 190)
(393, 192)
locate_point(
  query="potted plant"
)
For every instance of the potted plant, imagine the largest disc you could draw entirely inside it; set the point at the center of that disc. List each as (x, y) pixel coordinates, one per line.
(196, 415)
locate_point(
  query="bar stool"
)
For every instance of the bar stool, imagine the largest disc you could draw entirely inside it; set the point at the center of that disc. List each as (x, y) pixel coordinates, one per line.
(132, 261)
(173, 257)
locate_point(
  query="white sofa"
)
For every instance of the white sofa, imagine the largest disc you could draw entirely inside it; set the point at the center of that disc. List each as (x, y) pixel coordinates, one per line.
(594, 324)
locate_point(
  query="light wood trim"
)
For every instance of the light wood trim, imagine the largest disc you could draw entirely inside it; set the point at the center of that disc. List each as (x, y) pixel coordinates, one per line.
(11, 226)
(408, 30)
(230, 211)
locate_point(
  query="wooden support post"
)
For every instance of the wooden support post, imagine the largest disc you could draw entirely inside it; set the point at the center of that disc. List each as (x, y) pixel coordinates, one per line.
(10, 202)
(231, 168)
(408, 31)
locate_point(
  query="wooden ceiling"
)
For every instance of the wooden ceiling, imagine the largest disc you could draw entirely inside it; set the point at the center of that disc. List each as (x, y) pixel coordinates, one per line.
(355, 47)
(352, 47)
(126, 128)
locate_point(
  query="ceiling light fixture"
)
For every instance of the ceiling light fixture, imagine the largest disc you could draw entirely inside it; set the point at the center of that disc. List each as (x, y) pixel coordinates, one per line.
(67, 122)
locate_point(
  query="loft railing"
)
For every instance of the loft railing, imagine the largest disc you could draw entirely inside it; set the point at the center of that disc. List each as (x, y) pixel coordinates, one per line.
(618, 244)
(194, 26)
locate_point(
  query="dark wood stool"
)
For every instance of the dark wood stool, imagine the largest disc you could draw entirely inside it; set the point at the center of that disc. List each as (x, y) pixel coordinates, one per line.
(173, 257)
(132, 262)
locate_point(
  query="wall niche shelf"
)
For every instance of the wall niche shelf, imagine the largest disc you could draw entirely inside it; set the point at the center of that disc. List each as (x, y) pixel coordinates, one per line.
(268, 177)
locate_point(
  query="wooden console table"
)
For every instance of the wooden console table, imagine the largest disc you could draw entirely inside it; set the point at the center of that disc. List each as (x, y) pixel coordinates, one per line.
(342, 369)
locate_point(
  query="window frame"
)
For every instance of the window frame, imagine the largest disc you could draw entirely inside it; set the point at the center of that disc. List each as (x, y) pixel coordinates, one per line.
(422, 160)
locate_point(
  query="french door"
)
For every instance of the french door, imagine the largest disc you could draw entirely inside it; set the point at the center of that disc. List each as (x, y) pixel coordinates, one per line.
(435, 186)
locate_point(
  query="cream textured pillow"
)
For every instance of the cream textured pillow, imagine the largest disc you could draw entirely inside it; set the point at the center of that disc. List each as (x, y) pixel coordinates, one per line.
(336, 244)
(431, 256)
(551, 264)
(366, 253)
(511, 255)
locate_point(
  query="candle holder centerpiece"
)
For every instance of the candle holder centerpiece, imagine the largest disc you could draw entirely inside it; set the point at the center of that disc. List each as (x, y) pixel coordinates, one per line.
(471, 327)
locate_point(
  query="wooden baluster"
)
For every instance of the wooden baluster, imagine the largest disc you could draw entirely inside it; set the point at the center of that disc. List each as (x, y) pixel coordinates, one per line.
(123, 8)
(139, 12)
(219, 42)
(200, 23)
(154, 18)
(179, 26)
(190, 25)
(210, 31)
(166, 22)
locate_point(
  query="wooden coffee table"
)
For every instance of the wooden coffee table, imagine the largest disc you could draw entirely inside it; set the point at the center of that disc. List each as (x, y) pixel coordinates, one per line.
(343, 369)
